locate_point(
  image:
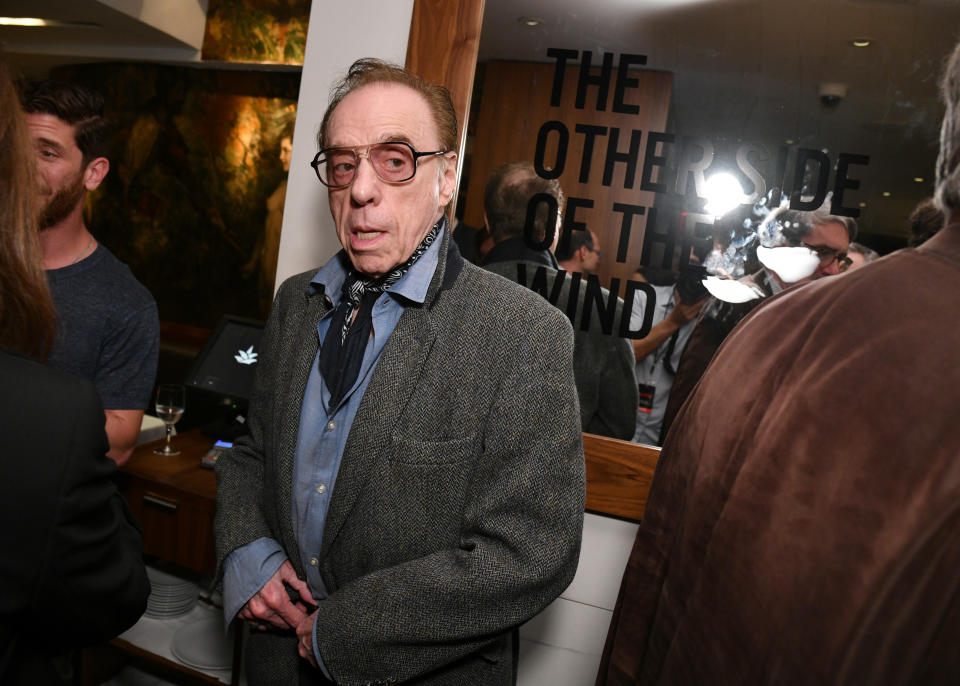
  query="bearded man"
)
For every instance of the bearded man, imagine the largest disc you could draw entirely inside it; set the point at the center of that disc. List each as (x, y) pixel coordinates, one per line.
(109, 331)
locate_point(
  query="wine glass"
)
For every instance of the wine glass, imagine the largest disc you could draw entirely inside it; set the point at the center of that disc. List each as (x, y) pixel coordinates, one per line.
(170, 405)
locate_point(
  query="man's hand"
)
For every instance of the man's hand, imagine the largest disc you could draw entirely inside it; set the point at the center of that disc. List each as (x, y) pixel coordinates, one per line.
(271, 604)
(683, 312)
(305, 638)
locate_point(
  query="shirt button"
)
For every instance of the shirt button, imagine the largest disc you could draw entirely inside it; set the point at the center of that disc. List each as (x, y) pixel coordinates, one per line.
(331, 425)
(322, 488)
(314, 562)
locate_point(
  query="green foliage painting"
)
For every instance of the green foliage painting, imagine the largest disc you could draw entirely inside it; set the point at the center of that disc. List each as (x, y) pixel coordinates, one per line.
(195, 156)
(256, 30)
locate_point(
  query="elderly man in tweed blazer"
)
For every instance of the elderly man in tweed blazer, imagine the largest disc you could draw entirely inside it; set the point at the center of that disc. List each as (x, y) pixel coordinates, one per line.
(412, 487)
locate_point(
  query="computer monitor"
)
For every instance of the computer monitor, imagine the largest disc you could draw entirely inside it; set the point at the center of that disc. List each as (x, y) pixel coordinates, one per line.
(227, 363)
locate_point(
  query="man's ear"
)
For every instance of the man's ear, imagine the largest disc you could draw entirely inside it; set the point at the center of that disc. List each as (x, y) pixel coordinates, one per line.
(95, 172)
(448, 178)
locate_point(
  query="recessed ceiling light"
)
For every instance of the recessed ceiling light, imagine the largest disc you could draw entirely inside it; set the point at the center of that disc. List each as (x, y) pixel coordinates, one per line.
(918, 179)
(36, 21)
(789, 141)
(886, 194)
(861, 42)
(862, 204)
(530, 21)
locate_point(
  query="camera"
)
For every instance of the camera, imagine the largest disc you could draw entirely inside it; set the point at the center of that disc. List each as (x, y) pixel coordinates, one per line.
(690, 286)
(832, 93)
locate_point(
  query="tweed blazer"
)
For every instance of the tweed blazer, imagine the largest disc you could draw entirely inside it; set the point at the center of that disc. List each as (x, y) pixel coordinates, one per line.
(604, 366)
(458, 506)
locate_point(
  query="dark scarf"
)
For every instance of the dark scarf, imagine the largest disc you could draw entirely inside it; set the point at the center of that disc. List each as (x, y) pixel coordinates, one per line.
(342, 355)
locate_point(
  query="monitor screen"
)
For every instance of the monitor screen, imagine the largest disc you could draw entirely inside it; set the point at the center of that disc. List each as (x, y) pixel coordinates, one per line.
(229, 359)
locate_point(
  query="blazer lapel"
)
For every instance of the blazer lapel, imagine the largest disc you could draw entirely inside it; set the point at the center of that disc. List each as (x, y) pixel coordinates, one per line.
(394, 379)
(396, 375)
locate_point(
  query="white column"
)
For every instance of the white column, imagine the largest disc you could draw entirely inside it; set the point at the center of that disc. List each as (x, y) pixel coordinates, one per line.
(339, 33)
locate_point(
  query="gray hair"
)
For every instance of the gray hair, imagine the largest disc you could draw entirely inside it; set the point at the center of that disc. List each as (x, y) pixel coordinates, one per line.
(796, 225)
(948, 162)
(869, 255)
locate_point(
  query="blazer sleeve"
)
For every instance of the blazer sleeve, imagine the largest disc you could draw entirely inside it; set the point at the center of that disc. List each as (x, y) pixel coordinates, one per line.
(240, 516)
(519, 534)
(92, 584)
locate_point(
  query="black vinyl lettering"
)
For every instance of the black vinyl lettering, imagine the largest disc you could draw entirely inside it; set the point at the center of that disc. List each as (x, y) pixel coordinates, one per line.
(533, 206)
(695, 166)
(601, 80)
(594, 300)
(842, 183)
(561, 56)
(629, 212)
(751, 172)
(805, 155)
(650, 236)
(629, 158)
(651, 160)
(590, 133)
(539, 283)
(628, 297)
(625, 81)
(563, 141)
(573, 297)
(570, 222)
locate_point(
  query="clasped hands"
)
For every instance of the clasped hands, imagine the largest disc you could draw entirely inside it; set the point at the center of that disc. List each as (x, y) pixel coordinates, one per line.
(276, 606)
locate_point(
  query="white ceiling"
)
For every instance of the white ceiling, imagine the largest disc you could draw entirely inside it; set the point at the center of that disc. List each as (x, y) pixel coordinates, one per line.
(743, 69)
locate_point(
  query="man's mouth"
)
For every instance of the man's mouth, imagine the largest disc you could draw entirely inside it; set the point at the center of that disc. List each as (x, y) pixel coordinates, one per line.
(366, 235)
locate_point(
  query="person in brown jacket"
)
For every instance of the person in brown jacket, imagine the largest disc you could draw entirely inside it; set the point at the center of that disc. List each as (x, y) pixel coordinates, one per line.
(803, 526)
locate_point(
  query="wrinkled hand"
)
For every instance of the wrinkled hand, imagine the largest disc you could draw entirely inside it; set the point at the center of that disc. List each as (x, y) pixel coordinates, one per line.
(271, 604)
(682, 312)
(305, 638)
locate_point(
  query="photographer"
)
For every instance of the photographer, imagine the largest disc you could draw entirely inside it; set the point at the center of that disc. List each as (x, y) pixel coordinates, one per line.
(678, 303)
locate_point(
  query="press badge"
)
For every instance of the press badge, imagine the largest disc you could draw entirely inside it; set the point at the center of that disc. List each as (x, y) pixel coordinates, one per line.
(646, 392)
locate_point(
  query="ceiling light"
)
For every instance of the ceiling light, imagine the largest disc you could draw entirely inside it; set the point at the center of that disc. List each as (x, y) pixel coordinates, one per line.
(886, 194)
(861, 42)
(789, 141)
(530, 21)
(36, 21)
(918, 179)
(862, 204)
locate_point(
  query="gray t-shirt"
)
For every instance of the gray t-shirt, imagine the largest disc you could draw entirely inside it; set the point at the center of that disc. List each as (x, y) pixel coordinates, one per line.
(108, 329)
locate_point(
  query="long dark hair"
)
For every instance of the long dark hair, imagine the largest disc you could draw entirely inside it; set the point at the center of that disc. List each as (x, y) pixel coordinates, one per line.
(27, 314)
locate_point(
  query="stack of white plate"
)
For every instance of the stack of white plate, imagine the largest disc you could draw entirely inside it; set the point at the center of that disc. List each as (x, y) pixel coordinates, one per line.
(170, 596)
(203, 644)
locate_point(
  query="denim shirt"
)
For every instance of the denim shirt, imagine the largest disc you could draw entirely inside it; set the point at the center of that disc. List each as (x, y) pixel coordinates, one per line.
(322, 436)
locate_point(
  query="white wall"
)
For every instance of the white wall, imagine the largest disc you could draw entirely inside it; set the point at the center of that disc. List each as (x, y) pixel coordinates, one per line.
(339, 33)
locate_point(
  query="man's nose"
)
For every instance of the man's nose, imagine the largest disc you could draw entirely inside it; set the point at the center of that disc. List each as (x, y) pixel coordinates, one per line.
(365, 181)
(832, 268)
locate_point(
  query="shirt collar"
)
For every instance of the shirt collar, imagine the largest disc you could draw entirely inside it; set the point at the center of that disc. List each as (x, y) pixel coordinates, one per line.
(413, 285)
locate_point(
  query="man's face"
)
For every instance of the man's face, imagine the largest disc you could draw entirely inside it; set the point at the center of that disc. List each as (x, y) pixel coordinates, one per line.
(60, 168)
(380, 224)
(591, 256)
(830, 241)
(286, 152)
(857, 260)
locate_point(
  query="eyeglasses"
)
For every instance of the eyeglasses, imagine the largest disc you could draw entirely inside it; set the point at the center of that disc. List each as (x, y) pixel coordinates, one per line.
(392, 162)
(828, 255)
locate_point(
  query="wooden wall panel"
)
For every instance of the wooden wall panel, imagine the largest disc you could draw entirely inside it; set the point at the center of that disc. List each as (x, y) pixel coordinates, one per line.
(619, 474)
(515, 102)
(443, 46)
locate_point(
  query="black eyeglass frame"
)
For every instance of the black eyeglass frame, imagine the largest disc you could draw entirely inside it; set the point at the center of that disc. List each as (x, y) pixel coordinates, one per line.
(823, 252)
(316, 162)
